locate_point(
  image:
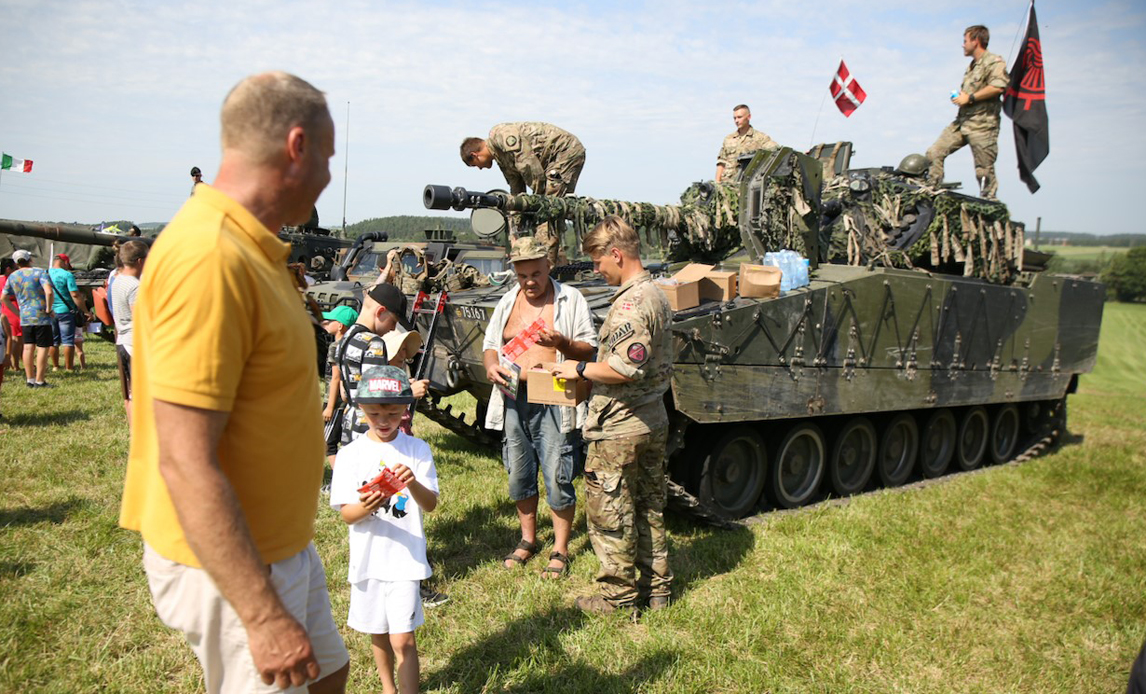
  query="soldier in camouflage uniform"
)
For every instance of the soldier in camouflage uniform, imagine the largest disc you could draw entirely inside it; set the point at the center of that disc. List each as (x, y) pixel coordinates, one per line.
(626, 427)
(977, 123)
(540, 156)
(745, 140)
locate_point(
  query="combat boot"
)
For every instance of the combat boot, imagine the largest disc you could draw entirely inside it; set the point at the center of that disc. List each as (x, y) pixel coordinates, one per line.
(658, 602)
(596, 604)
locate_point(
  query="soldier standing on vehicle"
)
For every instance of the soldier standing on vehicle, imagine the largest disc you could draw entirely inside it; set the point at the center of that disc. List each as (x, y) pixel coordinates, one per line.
(977, 123)
(540, 156)
(196, 178)
(745, 140)
(626, 427)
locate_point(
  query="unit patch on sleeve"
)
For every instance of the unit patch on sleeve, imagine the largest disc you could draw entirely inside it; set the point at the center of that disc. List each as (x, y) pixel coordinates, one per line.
(637, 353)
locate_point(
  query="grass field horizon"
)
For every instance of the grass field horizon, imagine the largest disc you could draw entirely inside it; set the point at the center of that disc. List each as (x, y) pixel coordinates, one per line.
(1023, 578)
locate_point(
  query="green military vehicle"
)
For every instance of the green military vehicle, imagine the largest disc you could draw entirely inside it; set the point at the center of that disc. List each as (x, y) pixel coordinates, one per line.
(926, 340)
(439, 260)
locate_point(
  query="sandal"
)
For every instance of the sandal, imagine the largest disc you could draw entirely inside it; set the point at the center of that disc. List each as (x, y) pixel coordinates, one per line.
(552, 572)
(531, 547)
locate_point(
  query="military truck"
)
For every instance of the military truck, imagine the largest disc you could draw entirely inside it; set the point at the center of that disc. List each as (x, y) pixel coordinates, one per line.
(898, 361)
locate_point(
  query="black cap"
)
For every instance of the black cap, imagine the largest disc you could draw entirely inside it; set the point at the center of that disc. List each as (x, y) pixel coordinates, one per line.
(195, 171)
(393, 300)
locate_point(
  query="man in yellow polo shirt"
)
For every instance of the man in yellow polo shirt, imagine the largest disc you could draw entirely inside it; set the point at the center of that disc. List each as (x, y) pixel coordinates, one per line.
(227, 446)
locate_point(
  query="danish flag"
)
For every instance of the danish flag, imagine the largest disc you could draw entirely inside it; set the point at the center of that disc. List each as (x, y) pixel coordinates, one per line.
(846, 91)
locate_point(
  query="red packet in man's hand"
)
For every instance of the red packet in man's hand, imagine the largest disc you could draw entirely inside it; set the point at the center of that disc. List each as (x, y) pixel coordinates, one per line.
(386, 482)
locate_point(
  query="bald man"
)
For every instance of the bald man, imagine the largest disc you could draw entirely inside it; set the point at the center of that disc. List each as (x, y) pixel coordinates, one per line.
(227, 445)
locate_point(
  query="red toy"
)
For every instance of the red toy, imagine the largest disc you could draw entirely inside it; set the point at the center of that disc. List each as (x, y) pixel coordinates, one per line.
(386, 482)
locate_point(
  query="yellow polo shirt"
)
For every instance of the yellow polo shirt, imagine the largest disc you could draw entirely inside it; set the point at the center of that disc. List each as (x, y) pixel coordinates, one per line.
(219, 326)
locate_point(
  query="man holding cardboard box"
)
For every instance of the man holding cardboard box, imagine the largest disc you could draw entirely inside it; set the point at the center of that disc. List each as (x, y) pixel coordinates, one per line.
(627, 427)
(539, 321)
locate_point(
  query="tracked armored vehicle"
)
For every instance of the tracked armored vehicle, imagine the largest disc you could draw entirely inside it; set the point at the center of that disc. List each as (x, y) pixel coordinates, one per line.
(929, 346)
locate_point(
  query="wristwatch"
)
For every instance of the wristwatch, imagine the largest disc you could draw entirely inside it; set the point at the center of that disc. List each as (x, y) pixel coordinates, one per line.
(581, 368)
(971, 98)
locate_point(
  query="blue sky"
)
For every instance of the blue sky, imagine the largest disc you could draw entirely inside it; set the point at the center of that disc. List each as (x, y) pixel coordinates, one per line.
(115, 101)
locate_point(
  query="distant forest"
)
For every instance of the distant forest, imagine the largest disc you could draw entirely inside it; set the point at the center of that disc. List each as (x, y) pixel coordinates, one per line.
(407, 227)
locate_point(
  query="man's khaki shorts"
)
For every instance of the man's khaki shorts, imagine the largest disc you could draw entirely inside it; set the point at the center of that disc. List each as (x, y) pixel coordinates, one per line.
(186, 599)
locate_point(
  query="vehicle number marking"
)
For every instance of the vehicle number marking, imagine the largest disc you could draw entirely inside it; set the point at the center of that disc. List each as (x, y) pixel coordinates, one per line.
(472, 312)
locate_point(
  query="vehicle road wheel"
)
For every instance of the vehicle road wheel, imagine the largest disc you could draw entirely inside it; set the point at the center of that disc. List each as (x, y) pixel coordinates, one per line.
(853, 456)
(897, 450)
(973, 434)
(797, 466)
(733, 474)
(937, 444)
(1004, 434)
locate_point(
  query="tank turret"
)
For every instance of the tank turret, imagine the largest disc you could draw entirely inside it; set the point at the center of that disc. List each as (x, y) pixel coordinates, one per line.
(774, 205)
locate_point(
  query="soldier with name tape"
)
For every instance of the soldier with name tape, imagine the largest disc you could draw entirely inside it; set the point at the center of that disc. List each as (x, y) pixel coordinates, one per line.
(538, 156)
(626, 428)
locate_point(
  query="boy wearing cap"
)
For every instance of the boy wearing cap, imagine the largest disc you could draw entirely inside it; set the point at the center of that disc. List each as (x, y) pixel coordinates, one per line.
(383, 310)
(336, 322)
(387, 539)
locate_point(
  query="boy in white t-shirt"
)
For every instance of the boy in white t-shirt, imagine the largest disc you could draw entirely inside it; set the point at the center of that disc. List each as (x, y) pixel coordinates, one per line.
(387, 541)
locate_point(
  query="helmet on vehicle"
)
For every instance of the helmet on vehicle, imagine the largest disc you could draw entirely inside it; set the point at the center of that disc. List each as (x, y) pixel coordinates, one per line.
(195, 171)
(913, 165)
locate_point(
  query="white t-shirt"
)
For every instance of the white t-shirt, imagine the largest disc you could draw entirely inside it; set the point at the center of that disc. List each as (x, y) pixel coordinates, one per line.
(390, 544)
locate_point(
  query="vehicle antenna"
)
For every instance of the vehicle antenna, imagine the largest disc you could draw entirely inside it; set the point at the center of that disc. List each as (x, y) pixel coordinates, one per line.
(346, 167)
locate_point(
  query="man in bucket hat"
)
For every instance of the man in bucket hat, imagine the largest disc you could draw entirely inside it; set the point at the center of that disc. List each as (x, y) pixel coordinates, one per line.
(538, 437)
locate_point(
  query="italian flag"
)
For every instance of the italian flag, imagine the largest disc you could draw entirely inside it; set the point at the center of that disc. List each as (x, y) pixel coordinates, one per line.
(10, 163)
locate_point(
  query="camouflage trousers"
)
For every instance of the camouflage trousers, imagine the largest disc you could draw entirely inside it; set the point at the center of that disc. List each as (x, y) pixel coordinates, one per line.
(560, 179)
(624, 506)
(984, 140)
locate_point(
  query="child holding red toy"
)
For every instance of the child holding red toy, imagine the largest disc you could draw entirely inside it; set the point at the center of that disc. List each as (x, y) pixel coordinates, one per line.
(384, 512)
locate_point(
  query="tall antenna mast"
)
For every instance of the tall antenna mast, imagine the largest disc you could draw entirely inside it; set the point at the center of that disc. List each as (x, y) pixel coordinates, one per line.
(346, 167)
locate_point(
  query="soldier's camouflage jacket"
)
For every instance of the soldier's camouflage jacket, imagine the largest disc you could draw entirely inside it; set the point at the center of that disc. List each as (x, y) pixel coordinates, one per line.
(526, 152)
(988, 70)
(636, 342)
(736, 145)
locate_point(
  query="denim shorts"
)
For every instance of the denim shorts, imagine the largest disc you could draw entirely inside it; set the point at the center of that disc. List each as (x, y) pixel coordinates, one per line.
(533, 441)
(64, 329)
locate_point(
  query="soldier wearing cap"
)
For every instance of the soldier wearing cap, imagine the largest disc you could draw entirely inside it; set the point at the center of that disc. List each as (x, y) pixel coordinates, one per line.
(977, 122)
(545, 437)
(540, 156)
(745, 140)
(626, 427)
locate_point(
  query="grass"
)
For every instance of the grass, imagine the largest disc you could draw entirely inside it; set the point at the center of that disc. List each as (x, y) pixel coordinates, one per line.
(1091, 253)
(1028, 578)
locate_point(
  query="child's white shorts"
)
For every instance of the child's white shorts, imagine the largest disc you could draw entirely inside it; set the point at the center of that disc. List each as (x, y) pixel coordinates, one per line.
(385, 607)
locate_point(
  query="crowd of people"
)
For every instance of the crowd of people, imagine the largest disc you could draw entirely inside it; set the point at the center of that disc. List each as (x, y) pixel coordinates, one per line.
(213, 340)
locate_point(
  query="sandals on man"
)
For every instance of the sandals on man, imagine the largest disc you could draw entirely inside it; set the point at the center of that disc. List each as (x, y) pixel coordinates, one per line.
(552, 572)
(531, 547)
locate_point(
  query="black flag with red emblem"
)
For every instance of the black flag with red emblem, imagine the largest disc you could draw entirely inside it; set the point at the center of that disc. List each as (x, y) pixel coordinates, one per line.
(1025, 103)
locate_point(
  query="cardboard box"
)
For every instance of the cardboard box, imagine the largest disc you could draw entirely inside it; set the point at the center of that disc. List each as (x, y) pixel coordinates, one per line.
(685, 293)
(542, 388)
(759, 281)
(719, 285)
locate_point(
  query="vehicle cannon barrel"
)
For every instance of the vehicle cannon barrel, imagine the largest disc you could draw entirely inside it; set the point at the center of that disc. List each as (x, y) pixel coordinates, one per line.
(67, 233)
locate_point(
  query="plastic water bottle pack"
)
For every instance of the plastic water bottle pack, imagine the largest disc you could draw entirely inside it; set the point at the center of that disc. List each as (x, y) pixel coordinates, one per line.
(793, 268)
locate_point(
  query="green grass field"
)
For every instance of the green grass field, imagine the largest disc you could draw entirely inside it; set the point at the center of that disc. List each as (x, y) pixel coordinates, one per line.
(1023, 578)
(1080, 253)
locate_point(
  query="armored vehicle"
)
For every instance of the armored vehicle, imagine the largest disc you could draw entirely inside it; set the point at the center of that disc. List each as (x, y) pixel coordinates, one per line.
(440, 260)
(923, 342)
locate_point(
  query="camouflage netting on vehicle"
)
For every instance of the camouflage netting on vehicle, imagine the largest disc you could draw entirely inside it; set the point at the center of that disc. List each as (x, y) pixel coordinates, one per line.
(785, 215)
(446, 275)
(885, 226)
(702, 227)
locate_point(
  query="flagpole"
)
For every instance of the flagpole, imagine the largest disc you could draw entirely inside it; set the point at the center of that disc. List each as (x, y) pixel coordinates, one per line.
(812, 140)
(1022, 27)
